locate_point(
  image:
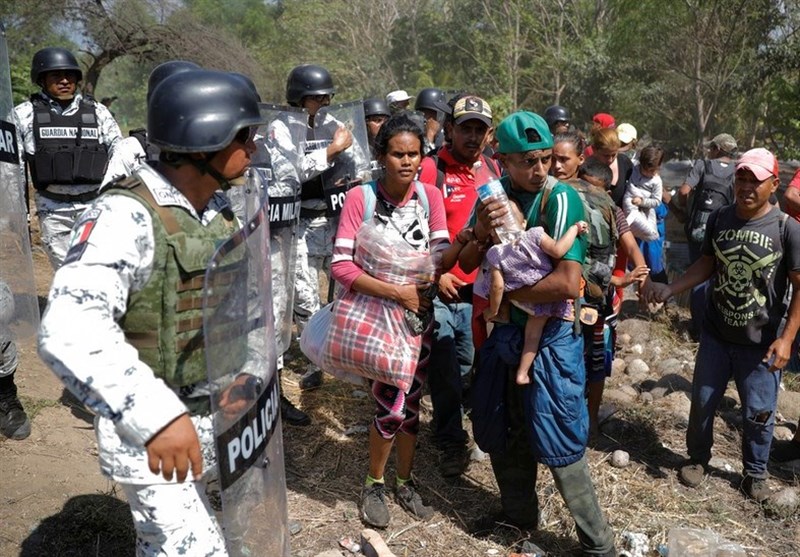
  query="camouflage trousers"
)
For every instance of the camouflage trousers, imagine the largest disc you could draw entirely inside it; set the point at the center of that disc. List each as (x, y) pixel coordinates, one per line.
(55, 223)
(8, 358)
(314, 250)
(174, 519)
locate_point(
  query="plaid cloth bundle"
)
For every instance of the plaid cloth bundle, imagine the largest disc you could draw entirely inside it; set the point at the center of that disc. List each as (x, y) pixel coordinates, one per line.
(368, 336)
(393, 262)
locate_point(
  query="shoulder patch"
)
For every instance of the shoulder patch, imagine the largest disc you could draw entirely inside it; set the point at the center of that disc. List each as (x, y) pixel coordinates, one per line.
(80, 235)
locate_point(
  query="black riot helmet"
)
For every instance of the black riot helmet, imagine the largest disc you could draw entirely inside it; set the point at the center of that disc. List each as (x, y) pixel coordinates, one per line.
(248, 83)
(200, 111)
(431, 99)
(376, 107)
(556, 113)
(53, 58)
(163, 71)
(307, 80)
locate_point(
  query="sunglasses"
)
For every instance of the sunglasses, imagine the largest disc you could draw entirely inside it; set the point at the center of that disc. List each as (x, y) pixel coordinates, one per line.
(320, 98)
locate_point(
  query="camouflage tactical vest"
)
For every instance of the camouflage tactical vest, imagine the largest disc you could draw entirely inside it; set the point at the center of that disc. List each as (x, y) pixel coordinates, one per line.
(164, 320)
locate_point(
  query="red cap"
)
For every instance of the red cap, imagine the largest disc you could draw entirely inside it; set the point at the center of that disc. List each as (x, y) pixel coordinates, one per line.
(604, 120)
(760, 162)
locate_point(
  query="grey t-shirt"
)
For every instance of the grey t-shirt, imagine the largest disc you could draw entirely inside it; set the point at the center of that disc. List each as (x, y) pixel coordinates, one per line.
(747, 298)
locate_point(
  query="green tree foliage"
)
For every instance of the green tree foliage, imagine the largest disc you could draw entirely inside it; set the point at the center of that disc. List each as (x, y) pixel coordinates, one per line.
(680, 70)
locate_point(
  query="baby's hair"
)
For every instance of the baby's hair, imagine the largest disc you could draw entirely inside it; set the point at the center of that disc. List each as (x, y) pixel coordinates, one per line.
(596, 169)
(651, 157)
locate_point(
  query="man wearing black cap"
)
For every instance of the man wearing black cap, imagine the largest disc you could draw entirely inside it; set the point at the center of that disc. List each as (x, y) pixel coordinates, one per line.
(452, 170)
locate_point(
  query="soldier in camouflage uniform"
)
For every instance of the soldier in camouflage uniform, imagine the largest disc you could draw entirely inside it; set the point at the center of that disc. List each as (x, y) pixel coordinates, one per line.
(47, 125)
(311, 87)
(121, 324)
(133, 151)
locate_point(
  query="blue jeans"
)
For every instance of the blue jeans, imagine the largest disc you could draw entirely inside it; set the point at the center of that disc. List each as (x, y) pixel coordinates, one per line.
(452, 356)
(653, 251)
(717, 362)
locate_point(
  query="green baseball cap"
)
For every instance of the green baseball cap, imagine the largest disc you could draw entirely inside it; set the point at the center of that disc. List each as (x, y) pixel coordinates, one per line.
(522, 132)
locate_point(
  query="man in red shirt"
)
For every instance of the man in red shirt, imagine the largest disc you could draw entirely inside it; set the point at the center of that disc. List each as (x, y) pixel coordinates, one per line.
(452, 170)
(791, 197)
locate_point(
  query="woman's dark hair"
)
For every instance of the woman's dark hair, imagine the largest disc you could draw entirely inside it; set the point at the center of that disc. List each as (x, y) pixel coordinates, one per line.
(651, 157)
(573, 137)
(401, 122)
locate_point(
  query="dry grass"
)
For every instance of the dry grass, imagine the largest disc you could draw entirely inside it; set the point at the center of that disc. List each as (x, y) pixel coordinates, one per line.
(326, 468)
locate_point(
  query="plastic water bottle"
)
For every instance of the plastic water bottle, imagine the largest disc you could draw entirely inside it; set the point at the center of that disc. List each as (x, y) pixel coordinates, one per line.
(491, 189)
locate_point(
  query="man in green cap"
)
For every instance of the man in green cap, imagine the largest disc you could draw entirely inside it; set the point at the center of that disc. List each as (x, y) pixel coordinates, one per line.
(548, 419)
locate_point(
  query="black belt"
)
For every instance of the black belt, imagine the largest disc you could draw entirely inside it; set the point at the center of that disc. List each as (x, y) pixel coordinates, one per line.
(311, 213)
(64, 198)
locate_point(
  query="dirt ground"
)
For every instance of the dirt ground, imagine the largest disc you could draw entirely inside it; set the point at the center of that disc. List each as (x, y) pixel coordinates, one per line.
(54, 501)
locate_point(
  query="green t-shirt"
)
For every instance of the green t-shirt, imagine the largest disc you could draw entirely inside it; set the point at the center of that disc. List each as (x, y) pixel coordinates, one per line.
(563, 209)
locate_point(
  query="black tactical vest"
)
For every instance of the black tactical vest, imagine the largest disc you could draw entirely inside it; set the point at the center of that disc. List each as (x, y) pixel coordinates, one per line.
(67, 148)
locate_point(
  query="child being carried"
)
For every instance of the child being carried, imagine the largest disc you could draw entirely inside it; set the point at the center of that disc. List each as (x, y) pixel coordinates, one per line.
(524, 263)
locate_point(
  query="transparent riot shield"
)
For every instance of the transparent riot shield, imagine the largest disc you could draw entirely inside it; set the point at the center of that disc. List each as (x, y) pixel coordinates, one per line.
(352, 167)
(239, 339)
(278, 171)
(19, 308)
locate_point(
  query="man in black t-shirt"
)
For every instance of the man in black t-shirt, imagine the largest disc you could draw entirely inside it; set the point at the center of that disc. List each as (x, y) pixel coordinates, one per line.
(751, 253)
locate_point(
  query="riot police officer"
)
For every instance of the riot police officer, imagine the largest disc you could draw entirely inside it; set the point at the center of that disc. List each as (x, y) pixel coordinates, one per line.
(557, 118)
(376, 112)
(133, 151)
(433, 105)
(311, 87)
(123, 321)
(67, 138)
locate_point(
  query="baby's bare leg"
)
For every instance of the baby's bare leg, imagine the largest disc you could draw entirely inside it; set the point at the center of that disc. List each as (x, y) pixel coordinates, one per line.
(530, 347)
(496, 287)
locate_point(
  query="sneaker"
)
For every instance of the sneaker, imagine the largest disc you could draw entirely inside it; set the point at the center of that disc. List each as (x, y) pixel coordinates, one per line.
(785, 451)
(311, 379)
(756, 488)
(14, 422)
(293, 415)
(426, 403)
(408, 498)
(372, 506)
(692, 474)
(454, 460)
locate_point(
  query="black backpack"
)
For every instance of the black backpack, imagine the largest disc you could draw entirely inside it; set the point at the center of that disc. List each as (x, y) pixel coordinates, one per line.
(709, 195)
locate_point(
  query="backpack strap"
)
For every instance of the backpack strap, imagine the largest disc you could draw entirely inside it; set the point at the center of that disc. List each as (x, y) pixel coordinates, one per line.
(548, 189)
(422, 196)
(440, 171)
(370, 192)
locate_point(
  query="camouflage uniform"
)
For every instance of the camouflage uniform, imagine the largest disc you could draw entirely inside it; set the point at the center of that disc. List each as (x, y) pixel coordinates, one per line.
(285, 160)
(57, 217)
(82, 342)
(126, 157)
(316, 231)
